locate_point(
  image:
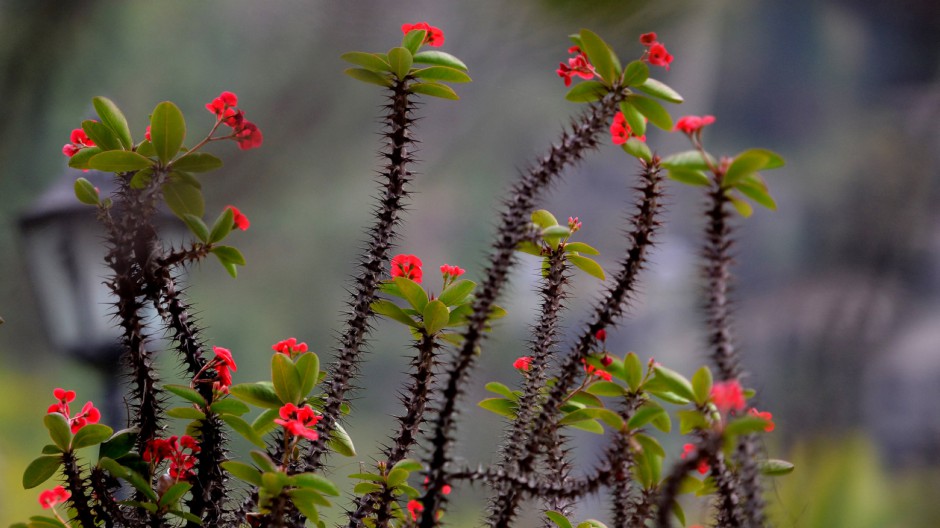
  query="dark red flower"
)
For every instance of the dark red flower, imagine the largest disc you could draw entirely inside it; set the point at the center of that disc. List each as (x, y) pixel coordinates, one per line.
(601, 335)
(728, 396)
(414, 508)
(224, 365)
(689, 449)
(248, 136)
(239, 220)
(79, 140)
(594, 371)
(50, 497)
(224, 101)
(88, 415)
(298, 420)
(658, 56)
(691, 124)
(766, 416)
(181, 464)
(648, 39)
(607, 360)
(434, 37)
(620, 130)
(523, 363)
(578, 65)
(408, 266)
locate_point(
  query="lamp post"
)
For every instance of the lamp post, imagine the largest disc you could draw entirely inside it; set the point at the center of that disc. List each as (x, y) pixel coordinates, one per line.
(64, 253)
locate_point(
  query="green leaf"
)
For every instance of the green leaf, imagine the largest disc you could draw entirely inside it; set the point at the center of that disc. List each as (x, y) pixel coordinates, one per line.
(544, 219)
(636, 73)
(119, 161)
(197, 162)
(412, 292)
(688, 160)
(442, 73)
(229, 257)
(775, 467)
(634, 118)
(142, 178)
(80, 159)
(146, 149)
(689, 177)
(586, 92)
(591, 426)
(264, 422)
(690, 421)
(91, 434)
(243, 428)
(174, 494)
(434, 90)
(580, 247)
(222, 226)
(262, 460)
(186, 413)
(243, 471)
(500, 406)
(499, 388)
(40, 469)
(757, 193)
(556, 231)
(260, 394)
(369, 61)
(647, 413)
(229, 406)
(185, 515)
(678, 512)
(120, 444)
(649, 444)
(702, 385)
(197, 227)
(689, 484)
(400, 60)
(638, 149)
(316, 483)
(413, 40)
(308, 368)
(408, 465)
(85, 192)
(439, 58)
(392, 311)
(675, 382)
(591, 523)
(633, 370)
(745, 425)
(652, 110)
(600, 55)
(167, 130)
(368, 76)
(103, 137)
(457, 292)
(364, 488)
(396, 477)
(40, 521)
(114, 119)
(587, 265)
(743, 208)
(660, 90)
(560, 520)
(606, 388)
(606, 415)
(59, 430)
(341, 442)
(286, 379)
(183, 198)
(435, 315)
(187, 393)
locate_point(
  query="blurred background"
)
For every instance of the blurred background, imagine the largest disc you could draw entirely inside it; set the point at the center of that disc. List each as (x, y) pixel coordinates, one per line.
(837, 292)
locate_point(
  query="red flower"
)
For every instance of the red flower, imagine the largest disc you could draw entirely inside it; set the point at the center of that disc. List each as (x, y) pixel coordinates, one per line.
(601, 335)
(648, 39)
(181, 464)
(607, 360)
(79, 140)
(523, 363)
(414, 508)
(224, 365)
(689, 449)
(579, 65)
(298, 420)
(594, 371)
(766, 416)
(452, 271)
(238, 218)
(408, 266)
(446, 489)
(50, 497)
(147, 134)
(224, 101)
(658, 56)
(728, 396)
(88, 415)
(691, 124)
(289, 347)
(434, 37)
(574, 224)
(620, 130)
(248, 136)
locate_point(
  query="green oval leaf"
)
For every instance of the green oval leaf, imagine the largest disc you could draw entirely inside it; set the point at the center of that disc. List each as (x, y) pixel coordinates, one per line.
(260, 394)
(413, 40)
(243, 471)
(457, 292)
(580, 247)
(187, 393)
(119, 161)
(114, 119)
(243, 428)
(500, 406)
(757, 193)
(40, 469)
(59, 430)
(606, 415)
(587, 265)
(689, 177)
(689, 160)
(183, 198)
(776, 467)
(634, 118)
(638, 149)
(442, 73)
(222, 227)
(91, 434)
(435, 315)
(308, 368)
(120, 444)
(412, 292)
(186, 413)
(369, 61)
(660, 91)
(368, 76)
(434, 90)
(543, 218)
(600, 55)
(229, 406)
(675, 382)
(341, 442)
(400, 59)
(636, 73)
(439, 58)
(702, 385)
(286, 379)
(229, 254)
(606, 388)
(197, 162)
(102, 135)
(743, 208)
(316, 483)
(392, 311)
(560, 520)
(633, 370)
(167, 130)
(652, 110)
(174, 494)
(79, 160)
(586, 92)
(142, 178)
(408, 465)
(645, 414)
(86, 192)
(197, 227)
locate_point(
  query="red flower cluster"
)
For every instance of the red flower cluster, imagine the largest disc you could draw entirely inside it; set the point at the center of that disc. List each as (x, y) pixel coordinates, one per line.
(766, 416)
(240, 220)
(578, 65)
(689, 449)
(601, 335)
(656, 52)
(224, 365)
(88, 414)
(298, 420)
(414, 508)
(522, 363)
(408, 266)
(594, 371)
(289, 347)
(692, 124)
(620, 130)
(244, 132)
(452, 271)
(50, 497)
(79, 140)
(181, 464)
(435, 36)
(147, 134)
(728, 396)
